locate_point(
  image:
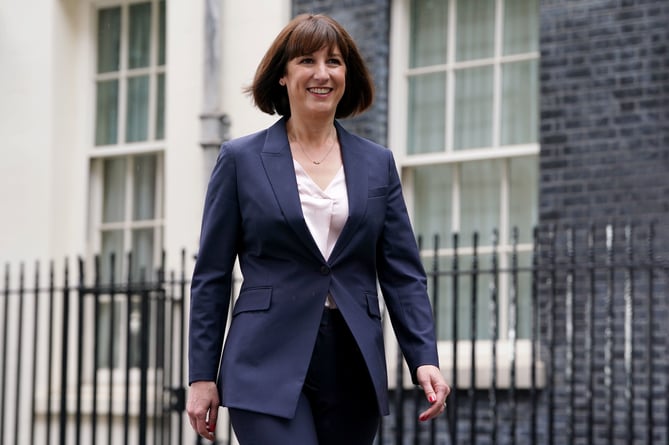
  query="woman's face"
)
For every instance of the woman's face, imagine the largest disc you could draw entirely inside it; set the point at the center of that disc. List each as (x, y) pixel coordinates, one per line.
(315, 82)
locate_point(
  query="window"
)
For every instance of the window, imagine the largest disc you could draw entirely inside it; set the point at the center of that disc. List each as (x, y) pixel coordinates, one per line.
(465, 130)
(126, 165)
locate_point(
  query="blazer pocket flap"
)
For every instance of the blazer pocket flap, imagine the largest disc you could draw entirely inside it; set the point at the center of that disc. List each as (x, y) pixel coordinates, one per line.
(373, 305)
(256, 299)
(376, 192)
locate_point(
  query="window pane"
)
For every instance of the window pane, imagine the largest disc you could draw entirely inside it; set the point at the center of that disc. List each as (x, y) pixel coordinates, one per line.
(523, 202)
(427, 113)
(432, 202)
(521, 29)
(144, 193)
(480, 183)
(161, 33)
(142, 251)
(113, 205)
(139, 49)
(112, 243)
(520, 102)
(428, 32)
(109, 39)
(475, 29)
(106, 112)
(137, 117)
(473, 108)
(160, 108)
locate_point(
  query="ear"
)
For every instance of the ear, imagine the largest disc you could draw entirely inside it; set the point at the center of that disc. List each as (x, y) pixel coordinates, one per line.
(282, 82)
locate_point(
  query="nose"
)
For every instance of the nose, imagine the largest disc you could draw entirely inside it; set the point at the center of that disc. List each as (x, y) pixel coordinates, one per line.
(321, 71)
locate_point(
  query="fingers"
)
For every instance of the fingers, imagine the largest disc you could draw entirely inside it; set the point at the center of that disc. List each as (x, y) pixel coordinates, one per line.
(436, 390)
(432, 412)
(202, 408)
(436, 395)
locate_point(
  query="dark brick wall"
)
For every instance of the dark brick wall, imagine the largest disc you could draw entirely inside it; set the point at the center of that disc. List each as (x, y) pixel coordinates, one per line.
(604, 111)
(605, 159)
(368, 22)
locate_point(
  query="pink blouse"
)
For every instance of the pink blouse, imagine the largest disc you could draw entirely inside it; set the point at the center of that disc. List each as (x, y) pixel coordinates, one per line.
(325, 210)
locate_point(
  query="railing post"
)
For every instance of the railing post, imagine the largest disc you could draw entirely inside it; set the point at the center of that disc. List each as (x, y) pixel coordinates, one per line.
(550, 334)
(128, 347)
(96, 347)
(144, 366)
(472, 336)
(19, 359)
(569, 333)
(453, 402)
(534, 334)
(3, 357)
(49, 367)
(110, 344)
(80, 349)
(64, 355)
(33, 377)
(513, 332)
(435, 309)
(650, 311)
(590, 337)
(608, 332)
(629, 333)
(494, 336)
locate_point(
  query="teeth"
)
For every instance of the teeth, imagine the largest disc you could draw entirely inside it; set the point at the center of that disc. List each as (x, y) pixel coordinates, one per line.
(320, 90)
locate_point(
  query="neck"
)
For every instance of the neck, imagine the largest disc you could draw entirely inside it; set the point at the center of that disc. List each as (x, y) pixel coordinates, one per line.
(309, 131)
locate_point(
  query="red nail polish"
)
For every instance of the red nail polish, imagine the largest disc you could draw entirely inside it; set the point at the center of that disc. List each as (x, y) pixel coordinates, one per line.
(432, 399)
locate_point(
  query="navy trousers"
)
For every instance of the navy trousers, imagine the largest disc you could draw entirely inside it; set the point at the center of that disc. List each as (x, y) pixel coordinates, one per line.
(337, 405)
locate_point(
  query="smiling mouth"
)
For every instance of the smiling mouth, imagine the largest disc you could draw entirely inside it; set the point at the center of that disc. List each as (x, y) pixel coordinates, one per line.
(319, 90)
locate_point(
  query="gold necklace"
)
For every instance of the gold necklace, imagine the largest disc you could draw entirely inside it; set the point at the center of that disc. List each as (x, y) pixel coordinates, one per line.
(334, 140)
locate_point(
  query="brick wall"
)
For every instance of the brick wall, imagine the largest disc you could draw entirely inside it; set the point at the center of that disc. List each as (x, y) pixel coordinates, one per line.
(604, 111)
(368, 22)
(605, 159)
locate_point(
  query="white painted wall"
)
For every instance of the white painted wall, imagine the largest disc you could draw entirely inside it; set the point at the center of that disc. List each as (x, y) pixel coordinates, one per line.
(249, 27)
(25, 129)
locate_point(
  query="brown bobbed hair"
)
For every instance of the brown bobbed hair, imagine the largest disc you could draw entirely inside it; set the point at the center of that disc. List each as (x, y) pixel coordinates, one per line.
(306, 34)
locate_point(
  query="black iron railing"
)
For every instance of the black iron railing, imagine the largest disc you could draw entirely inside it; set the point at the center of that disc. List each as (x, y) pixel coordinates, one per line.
(561, 340)
(595, 370)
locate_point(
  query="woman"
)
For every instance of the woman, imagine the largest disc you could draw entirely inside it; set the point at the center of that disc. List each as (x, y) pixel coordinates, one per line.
(316, 216)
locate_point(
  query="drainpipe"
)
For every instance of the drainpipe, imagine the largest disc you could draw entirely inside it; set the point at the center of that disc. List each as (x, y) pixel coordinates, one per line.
(215, 125)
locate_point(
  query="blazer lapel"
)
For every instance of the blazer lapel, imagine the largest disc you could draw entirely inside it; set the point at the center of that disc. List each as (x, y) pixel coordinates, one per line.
(356, 173)
(278, 164)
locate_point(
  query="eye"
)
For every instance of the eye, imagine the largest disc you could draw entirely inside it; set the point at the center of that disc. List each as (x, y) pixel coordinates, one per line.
(334, 61)
(306, 60)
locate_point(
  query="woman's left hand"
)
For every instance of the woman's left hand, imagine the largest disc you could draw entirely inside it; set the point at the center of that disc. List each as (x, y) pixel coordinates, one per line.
(436, 390)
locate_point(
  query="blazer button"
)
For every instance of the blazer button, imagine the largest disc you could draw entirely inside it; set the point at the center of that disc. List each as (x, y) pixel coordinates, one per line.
(325, 270)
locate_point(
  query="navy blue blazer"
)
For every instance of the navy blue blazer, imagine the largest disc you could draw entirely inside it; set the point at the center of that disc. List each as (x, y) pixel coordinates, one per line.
(252, 211)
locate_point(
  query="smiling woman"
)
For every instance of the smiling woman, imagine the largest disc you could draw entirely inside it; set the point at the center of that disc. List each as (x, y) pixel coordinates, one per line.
(316, 217)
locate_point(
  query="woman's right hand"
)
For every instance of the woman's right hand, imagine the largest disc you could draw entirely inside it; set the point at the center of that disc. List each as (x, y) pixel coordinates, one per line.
(202, 408)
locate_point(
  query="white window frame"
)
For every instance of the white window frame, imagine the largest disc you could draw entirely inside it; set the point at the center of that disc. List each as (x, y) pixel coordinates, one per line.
(398, 123)
(97, 154)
